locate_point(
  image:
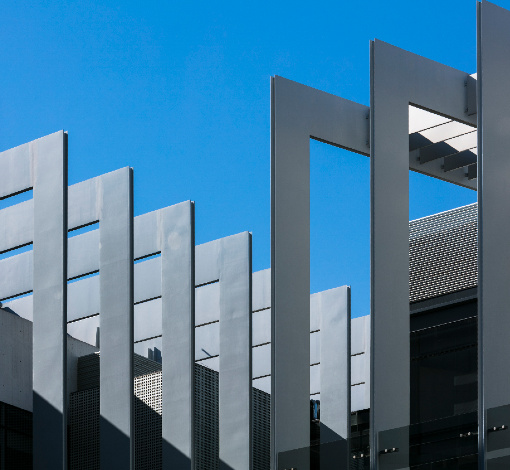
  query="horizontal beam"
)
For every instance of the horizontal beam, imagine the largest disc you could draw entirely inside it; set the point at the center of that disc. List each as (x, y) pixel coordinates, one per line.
(460, 160)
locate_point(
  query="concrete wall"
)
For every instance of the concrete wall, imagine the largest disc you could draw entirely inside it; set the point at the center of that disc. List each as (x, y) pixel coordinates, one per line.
(16, 360)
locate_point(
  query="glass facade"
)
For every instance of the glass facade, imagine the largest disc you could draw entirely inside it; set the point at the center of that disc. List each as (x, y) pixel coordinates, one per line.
(444, 387)
(15, 438)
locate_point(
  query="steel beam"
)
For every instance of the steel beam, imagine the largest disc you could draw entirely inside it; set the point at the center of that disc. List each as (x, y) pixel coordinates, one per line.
(176, 235)
(108, 199)
(335, 376)
(493, 235)
(460, 160)
(49, 163)
(41, 165)
(116, 320)
(229, 261)
(298, 114)
(398, 79)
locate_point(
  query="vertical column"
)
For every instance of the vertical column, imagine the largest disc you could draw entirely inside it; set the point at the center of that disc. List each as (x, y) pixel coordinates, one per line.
(493, 234)
(176, 230)
(49, 157)
(116, 320)
(389, 175)
(290, 276)
(235, 389)
(335, 378)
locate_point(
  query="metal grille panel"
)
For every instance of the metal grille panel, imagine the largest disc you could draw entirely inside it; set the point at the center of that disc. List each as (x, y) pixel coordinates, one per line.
(443, 253)
(84, 419)
(84, 430)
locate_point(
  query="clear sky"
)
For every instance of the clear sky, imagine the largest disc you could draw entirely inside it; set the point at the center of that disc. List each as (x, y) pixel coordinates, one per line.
(180, 91)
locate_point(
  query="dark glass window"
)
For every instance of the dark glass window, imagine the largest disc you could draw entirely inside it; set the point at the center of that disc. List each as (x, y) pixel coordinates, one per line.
(444, 389)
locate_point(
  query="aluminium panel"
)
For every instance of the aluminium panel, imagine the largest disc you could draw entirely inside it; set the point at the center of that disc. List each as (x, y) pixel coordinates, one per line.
(176, 240)
(16, 225)
(335, 362)
(398, 79)
(17, 169)
(207, 342)
(335, 375)
(494, 233)
(298, 113)
(86, 330)
(108, 199)
(207, 298)
(229, 261)
(261, 327)
(116, 320)
(41, 165)
(49, 160)
(17, 275)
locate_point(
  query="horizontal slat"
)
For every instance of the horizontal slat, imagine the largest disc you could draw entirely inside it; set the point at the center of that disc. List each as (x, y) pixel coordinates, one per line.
(315, 347)
(83, 298)
(147, 320)
(447, 147)
(261, 361)
(143, 346)
(261, 327)
(207, 341)
(464, 141)
(360, 397)
(207, 262)
(23, 307)
(419, 119)
(360, 335)
(83, 203)
(147, 279)
(261, 288)
(207, 303)
(360, 368)
(315, 379)
(446, 131)
(85, 330)
(83, 254)
(435, 169)
(459, 160)
(435, 151)
(472, 172)
(16, 274)
(16, 170)
(146, 234)
(17, 225)
(416, 140)
(315, 312)
(263, 384)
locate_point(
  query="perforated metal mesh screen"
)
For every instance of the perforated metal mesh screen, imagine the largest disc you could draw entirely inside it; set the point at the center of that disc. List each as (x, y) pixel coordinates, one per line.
(206, 419)
(84, 430)
(84, 420)
(443, 253)
(261, 430)
(148, 410)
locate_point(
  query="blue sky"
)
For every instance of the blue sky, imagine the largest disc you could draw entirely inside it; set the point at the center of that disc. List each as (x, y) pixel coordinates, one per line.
(180, 92)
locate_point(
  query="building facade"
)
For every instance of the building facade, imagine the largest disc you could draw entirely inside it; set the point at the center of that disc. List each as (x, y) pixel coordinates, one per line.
(425, 374)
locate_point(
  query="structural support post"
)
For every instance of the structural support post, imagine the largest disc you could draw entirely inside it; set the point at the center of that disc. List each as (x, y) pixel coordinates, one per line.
(235, 389)
(493, 235)
(49, 159)
(298, 113)
(116, 320)
(176, 236)
(389, 176)
(228, 260)
(398, 79)
(335, 377)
